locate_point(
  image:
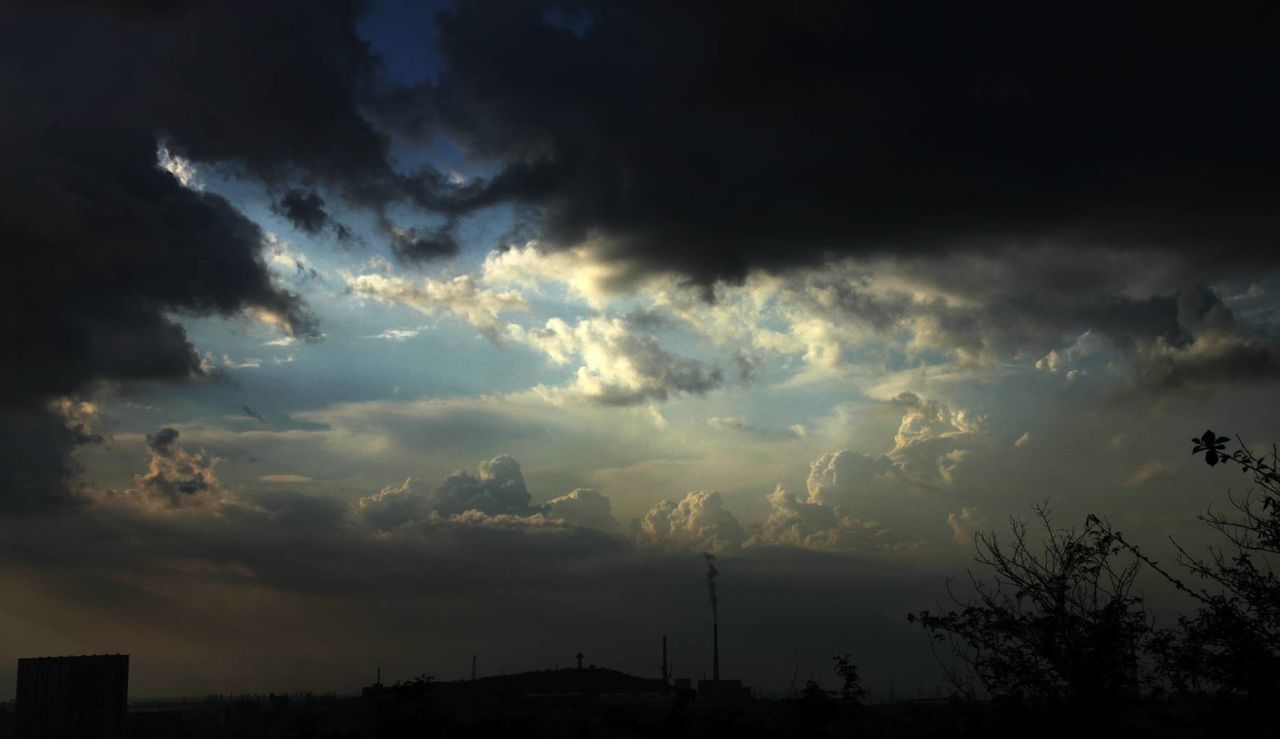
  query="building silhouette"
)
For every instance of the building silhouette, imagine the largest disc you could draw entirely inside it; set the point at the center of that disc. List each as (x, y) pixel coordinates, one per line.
(80, 697)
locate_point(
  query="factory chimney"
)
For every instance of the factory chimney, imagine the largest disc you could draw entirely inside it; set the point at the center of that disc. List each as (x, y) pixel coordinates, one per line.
(715, 651)
(712, 572)
(666, 666)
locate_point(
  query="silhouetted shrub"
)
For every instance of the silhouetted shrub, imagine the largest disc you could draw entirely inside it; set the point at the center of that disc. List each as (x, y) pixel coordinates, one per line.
(1058, 624)
(1231, 644)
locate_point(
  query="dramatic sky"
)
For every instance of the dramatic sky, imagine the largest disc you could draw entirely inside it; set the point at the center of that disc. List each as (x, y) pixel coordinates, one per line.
(343, 333)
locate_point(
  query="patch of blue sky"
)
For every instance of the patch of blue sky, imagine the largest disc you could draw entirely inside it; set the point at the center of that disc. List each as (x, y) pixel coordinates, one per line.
(486, 230)
(574, 18)
(443, 358)
(403, 34)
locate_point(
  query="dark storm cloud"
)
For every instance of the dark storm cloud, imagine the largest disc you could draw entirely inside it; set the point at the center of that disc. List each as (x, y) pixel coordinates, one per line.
(304, 209)
(422, 245)
(715, 139)
(161, 442)
(101, 245)
(35, 463)
(282, 92)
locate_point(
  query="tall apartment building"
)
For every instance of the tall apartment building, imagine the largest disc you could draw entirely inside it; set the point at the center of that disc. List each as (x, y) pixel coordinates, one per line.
(72, 697)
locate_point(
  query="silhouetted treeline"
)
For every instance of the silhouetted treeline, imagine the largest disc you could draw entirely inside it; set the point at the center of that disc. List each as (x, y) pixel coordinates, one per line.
(1052, 625)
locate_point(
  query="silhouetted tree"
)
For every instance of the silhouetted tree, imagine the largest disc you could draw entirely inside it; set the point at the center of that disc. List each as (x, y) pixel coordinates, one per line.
(851, 690)
(1058, 624)
(1231, 644)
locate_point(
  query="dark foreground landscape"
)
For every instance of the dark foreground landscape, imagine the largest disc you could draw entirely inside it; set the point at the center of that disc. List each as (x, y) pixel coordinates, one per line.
(563, 704)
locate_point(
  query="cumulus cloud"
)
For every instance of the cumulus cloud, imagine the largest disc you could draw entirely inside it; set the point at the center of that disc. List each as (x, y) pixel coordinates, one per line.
(584, 272)
(699, 522)
(931, 439)
(461, 297)
(618, 365)
(182, 169)
(497, 490)
(1062, 311)
(796, 523)
(1115, 315)
(846, 479)
(811, 525)
(498, 487)
(1085, 345)
(176, 478)
(965, 524)
(582, 507)
(930, 443)
(394, 505)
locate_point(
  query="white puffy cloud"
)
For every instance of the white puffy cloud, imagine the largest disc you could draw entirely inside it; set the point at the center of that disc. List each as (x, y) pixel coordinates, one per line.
(851, 493)
(618, 365)
(931, 440)
(795, 523)
(971, 309)
(290, 262)
(175, 478)
(848, 479)
(497, 488)
(461, 297)
(1087, 344)
(811, 525)
(497, 491)
(395, 505)
(582, 507)
(965, 524)
(583, 271)
(180, 167)
(700, 521)
(79, 416)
